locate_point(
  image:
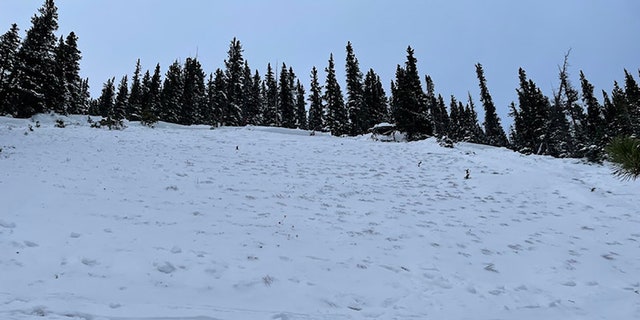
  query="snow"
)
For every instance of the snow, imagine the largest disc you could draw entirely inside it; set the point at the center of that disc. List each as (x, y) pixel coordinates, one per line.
(268, 223)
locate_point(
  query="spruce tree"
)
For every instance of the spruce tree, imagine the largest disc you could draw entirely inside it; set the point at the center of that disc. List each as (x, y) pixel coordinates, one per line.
(171, 96)
(438, 111)
(617, 113)
(316, 110)
(285, 99)
(301, 107)
(72, 74)
(494, 132)
(252, 99)
(374, 100)
(194, 95)
(218, 99)
(270, 95)
(59, 96)
(632, 94)
(151, 97)
(234, 74)
(358, 114)
(9, 44)
(121, 101)
(530, 121)
(456, 121)
(106, 100)
(337, 119)
(134, 109)
(595, 127)
(255, 100)
(409, 101)
(473, 131)
(35, 74)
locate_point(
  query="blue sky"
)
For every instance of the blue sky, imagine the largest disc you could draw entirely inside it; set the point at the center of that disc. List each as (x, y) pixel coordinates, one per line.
(449, 37)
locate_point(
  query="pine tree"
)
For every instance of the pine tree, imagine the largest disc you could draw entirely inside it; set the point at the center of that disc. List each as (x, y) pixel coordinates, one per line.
(105, 102)
(409, 101)
(194, 95)
(301, 107)
(171, 96)
(35, 64)
(134, 109)
(624, 152)
(121, 101)
(358, 114)
(9, 44)
(374, 100)
(337, 119)
(316, 110)
(456, 121)
(85, 97)
(270, 95)
(234, 74)
(285, 99)
(494, 132)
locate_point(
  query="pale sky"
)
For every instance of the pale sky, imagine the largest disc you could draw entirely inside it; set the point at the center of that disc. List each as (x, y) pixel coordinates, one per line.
(448, 36)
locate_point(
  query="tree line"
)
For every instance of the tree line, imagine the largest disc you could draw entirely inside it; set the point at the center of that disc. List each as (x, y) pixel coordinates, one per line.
(40, 73)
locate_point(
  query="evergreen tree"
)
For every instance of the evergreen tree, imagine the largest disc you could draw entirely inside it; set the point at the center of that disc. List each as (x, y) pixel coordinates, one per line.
(35, 64)
(234, 75)
(473, 131)
(270, 95)
(105, 102)
(337, 120)
(121, 101)
(68, 63)
(456, 121)
(624, 152)
(194, 95)
(301, 107)
(218, 98)
(285, 99)
(632, 94)
(151, 97)
(255, 101)
(438, 111)
(617, 113)
(85, 97)
(595, 126)
(358, 114)
(374, 99)
(171, 96)
(445, 121)
(494, 132)
(316, 110)
(134, 109)
(59, 96)
(409, 101)
(252, 99)
(9, 44)
(530, 122)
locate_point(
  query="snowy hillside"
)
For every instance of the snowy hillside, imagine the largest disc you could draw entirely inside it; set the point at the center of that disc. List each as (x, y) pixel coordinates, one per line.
(264, 223)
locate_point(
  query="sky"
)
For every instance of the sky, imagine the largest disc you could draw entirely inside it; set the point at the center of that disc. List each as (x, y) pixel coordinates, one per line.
(449, 38)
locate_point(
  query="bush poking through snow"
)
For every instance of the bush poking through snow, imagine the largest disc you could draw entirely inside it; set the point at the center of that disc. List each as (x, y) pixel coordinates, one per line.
(624, 152)
(60, 123)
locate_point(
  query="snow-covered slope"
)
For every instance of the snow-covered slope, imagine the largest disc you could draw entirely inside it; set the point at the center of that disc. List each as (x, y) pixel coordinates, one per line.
(263, 223)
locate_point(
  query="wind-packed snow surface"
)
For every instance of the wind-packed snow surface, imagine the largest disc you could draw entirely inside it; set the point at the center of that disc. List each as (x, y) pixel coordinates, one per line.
(263, 223)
